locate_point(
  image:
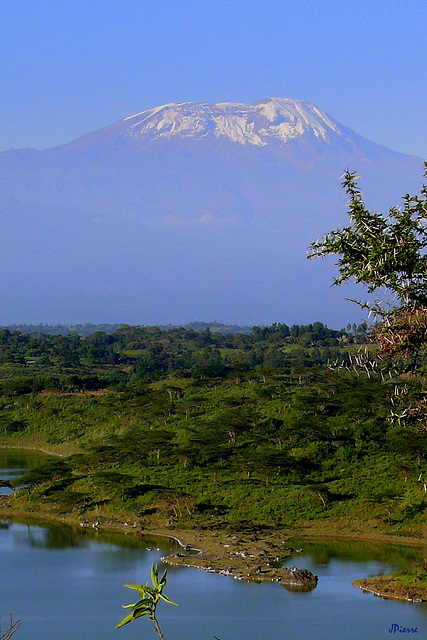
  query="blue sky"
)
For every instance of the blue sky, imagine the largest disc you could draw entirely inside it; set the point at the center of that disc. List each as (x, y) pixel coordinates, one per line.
(69, 67)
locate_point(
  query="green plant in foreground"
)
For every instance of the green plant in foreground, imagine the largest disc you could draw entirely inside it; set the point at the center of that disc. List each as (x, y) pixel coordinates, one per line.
(150, 597)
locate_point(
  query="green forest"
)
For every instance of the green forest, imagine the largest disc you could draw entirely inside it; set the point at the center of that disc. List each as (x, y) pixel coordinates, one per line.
(183, 427)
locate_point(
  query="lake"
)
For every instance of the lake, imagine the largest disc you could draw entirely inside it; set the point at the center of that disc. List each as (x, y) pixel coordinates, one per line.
(67, 584)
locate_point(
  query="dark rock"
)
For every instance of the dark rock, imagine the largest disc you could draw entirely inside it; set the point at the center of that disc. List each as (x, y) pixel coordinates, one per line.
(298, 579)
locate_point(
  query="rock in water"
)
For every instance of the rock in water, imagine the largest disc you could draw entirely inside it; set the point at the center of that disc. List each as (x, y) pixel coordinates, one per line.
(294, 579)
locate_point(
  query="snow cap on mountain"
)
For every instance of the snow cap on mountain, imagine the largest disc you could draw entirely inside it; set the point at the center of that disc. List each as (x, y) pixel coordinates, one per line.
(277, 118)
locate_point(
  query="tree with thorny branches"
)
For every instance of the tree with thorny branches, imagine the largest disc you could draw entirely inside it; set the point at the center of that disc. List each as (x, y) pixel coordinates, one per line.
(388, 252)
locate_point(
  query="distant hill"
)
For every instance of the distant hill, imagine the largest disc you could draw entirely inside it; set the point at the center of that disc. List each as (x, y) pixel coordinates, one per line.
(187, 210)
(88, 329)
(62, 329)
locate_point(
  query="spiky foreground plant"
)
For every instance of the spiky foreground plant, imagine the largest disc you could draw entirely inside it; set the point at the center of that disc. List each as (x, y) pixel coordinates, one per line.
(149, 599)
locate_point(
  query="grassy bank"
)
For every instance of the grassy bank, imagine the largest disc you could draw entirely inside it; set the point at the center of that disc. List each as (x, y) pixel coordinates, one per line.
(409, 586)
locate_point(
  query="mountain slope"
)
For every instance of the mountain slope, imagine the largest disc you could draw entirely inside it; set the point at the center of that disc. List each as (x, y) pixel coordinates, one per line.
(187, 211)
(274, 118)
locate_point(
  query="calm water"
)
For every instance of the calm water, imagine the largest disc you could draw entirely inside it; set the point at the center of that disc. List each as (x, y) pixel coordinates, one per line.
(68, 585)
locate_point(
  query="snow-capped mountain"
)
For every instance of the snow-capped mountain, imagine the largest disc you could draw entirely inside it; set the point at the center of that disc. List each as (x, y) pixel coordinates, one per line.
(187, 211)
(257, 124)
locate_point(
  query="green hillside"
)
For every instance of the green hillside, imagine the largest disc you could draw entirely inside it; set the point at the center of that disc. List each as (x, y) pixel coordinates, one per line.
(184, 428)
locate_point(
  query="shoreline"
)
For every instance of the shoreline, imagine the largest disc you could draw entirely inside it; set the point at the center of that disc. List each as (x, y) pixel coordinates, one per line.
(241, 555)
(34, 448)
(251, 555)
(391, 590)
(384, 595)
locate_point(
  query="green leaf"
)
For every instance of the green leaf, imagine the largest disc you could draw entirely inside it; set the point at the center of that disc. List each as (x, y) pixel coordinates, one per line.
(126, 620)
(166, 599)
(164, 577)
(155, 576)
(142, 610)
(134, 586)
(142, 592)
(141, 589)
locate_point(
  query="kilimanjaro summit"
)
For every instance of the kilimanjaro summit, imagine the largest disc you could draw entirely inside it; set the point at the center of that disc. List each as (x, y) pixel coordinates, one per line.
(188, 211)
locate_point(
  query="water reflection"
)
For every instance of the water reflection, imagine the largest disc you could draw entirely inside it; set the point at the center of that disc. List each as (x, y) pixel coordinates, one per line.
(21, 458)
(323, 551)
(66, 583)
(51, 537)
(13, 463)
(299, 588)
(60, 580)
(35, 533)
